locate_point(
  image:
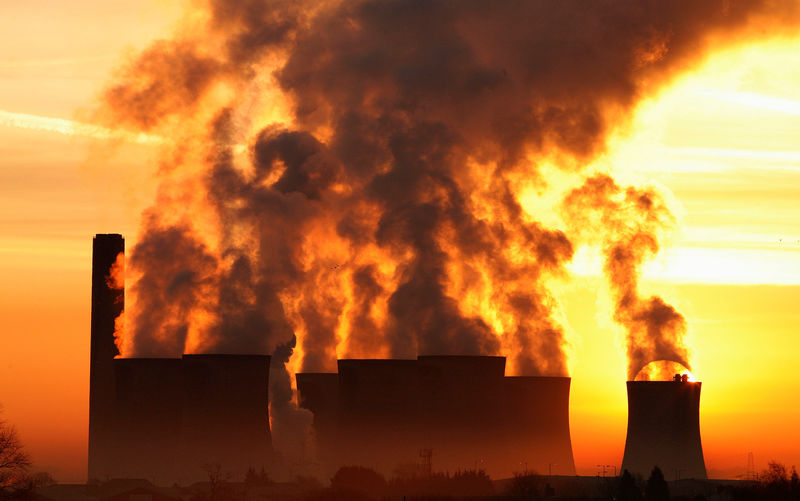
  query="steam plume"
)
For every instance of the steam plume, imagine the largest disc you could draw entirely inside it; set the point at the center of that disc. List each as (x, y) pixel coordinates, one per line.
(290, 425)
(630, 223)
(380, 215)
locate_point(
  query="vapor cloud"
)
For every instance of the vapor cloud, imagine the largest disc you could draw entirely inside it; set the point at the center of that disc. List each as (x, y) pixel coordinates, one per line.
(630, 224)
(381, 216)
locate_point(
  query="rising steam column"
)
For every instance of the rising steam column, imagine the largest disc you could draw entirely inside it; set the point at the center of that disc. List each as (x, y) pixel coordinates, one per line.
(107, 304)
(664, 429)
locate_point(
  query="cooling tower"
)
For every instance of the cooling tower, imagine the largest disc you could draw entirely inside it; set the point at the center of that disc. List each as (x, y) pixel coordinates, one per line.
(148, 418)
(107, 303)
(378, 412)
(536, 425)
(381, 413)
(462, 402)
(664, 429)
(225, 414)
(319, 393)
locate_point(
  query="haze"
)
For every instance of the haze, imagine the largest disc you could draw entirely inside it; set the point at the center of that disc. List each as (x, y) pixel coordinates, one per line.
(722, 140)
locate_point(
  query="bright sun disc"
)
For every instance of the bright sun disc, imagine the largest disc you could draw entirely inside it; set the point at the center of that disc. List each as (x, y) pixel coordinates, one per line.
(664, 370)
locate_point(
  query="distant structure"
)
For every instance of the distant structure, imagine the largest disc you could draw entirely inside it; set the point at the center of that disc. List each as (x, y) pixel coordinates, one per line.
(166, 419)
(664, 429)
(382, 413)
(107, 304)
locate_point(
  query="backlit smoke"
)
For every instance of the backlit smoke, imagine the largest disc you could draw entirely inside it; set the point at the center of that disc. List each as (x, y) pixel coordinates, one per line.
(630, 223)
(350, 173)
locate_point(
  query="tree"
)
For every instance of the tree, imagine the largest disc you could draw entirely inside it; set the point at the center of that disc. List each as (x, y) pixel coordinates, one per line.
(14, 461)
(218, 482)
(656, 488)
(525, 485)
(359, 479)
(628, 491)
(775, 474)
(776, 484)
(470, 483)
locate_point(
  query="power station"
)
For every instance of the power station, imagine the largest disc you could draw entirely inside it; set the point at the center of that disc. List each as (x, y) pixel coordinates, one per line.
(379, 413)
(168, 419)
(664, 429)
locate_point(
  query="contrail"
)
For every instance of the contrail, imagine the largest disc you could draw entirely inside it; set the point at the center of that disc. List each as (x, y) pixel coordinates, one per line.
(72, 128)
(753, 100)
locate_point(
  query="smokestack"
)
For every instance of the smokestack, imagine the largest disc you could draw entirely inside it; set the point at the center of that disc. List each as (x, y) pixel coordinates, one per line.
(664, 429)
(107, 304)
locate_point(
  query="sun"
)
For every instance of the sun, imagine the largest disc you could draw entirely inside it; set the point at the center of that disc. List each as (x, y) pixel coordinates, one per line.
(664, 370)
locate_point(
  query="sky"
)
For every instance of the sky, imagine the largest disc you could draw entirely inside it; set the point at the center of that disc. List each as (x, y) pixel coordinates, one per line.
(721, 142)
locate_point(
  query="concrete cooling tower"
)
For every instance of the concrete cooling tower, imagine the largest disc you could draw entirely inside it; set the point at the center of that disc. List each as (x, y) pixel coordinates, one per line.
(225, 413)
(147, 418)
(664, 429)
(381, 413)
(537, 423)
(174, 417)
(319, 393)
(378, 411)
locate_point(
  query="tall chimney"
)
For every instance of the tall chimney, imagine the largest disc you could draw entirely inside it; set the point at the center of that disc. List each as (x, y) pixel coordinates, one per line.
(664, 429)
(107, 304)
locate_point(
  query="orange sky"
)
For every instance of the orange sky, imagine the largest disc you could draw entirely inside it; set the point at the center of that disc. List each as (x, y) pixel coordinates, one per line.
(722, 141)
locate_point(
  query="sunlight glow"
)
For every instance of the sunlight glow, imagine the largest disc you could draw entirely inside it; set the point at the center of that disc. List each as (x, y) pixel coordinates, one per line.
(758, 101)
(722, 145)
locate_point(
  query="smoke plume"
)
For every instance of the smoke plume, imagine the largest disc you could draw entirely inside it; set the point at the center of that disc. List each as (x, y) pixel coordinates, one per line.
(290, 425)
(630, 223)
(350, 173)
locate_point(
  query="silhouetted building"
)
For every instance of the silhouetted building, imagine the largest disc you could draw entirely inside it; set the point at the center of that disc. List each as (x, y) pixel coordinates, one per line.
(107, 304)
(148, 418)
(319, 393)
(536, 424)
(664, 429)
(381, 413)
(379, 410)
(174, 417)
(225, 413)
(166, 419)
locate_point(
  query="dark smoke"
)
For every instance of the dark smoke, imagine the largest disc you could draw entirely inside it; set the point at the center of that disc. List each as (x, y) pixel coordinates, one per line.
(630, 224)
(176, 275)
(383, 215)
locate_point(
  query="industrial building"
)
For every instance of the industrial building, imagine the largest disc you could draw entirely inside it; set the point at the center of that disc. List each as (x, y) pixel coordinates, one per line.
(463, 409)
(664, 429)
(168, 419)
